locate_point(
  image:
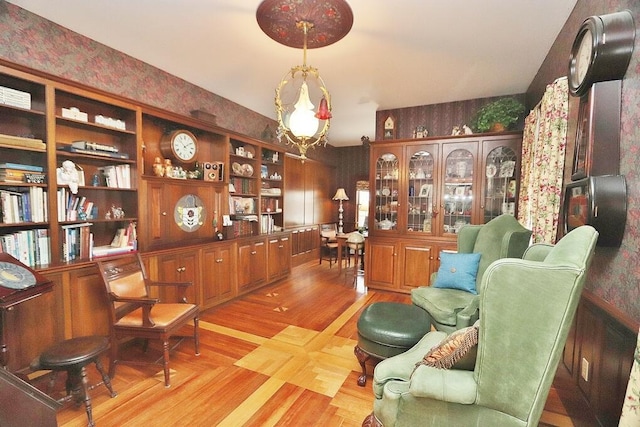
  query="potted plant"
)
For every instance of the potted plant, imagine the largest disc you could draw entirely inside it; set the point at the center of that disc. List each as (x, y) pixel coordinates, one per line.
(498, 115)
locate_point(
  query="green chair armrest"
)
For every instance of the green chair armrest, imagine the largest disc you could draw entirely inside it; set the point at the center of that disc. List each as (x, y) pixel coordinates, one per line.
(401, 366)
(468, 315)
(449, 385)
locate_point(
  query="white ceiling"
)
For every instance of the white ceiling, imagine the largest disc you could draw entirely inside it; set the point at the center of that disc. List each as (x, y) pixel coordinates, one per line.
(399, 53)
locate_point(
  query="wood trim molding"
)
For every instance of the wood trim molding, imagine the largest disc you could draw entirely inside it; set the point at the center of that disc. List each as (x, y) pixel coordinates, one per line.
(611, 311)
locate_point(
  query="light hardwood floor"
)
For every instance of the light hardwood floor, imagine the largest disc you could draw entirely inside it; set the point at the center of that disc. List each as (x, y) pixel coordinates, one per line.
(280, 356)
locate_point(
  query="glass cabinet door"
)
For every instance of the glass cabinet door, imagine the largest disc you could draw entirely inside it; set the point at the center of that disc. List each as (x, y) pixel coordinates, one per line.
(386, 192)
(500, 182)
(458, 191)
(421, 174)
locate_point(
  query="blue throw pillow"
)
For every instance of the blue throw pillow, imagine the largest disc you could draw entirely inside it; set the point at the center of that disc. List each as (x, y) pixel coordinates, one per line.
(458, 271)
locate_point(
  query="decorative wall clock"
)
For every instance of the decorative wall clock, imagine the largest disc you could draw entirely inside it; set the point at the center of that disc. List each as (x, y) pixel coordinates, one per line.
(179, 145)
(190, 213)
(601, 50)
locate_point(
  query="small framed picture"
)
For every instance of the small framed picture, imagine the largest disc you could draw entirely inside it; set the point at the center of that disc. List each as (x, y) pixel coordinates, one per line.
(425, 190)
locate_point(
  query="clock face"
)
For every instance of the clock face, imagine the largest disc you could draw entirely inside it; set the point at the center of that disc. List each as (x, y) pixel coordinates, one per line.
(583, 57)
(15, 276)
(180, 145)
(184, 146)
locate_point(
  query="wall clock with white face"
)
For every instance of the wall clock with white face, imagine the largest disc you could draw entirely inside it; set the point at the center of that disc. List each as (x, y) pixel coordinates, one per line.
(179, 145)
(601, 51)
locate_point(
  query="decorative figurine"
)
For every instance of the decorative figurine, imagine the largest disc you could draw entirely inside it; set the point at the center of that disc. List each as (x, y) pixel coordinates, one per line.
(68, 175)
(158, 167)
(168, 169)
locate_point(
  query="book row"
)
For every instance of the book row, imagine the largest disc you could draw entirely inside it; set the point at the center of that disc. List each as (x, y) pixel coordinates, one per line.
(23, 206)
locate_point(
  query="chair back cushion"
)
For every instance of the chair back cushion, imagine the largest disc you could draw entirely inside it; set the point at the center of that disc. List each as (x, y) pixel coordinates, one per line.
(526, 310)
(502, 237)
(131, 285)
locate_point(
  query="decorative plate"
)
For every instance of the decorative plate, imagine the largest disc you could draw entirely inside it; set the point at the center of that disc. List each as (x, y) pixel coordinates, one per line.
(491, 170)
(247, 170)
(236, 168)
(388, 157)
(14, 276)
(386, 191)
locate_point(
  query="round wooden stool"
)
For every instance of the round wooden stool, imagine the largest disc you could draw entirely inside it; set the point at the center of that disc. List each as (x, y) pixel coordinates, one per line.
(73, 356)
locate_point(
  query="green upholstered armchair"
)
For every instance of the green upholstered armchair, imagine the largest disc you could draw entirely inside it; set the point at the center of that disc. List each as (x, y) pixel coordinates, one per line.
(452, 309)
(526, 310)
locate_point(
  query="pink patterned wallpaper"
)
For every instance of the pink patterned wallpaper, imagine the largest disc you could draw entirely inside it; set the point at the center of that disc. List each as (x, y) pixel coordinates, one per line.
(615, 272)
(30, 40)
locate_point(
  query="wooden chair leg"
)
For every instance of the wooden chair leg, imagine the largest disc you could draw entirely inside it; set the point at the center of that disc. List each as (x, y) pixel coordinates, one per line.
(196, 334)
(165, 363)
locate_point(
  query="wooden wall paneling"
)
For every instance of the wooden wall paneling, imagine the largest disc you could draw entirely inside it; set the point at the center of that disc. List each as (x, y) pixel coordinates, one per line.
(588, 332)
(312, 193)
(87, 303)
(612, 373)
(294, 192)
(33, 325)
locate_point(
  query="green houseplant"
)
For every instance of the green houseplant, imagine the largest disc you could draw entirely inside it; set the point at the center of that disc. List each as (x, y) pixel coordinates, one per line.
(504, 111)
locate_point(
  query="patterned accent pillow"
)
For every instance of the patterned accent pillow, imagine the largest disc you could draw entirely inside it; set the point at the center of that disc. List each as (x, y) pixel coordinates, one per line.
(457, 351)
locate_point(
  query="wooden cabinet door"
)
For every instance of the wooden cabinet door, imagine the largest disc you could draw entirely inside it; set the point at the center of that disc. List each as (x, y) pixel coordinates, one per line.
(179, 267)
(218, 265)
(381, 265)
(279, 251)
(499, 176)
(416, 261)
(458, 206)
(252, 265)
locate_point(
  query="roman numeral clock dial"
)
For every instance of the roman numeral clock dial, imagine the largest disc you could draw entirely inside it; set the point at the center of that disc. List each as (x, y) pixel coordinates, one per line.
(179, 145)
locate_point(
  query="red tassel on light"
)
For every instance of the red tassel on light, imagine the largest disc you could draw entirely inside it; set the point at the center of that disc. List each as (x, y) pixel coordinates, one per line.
(323, 110)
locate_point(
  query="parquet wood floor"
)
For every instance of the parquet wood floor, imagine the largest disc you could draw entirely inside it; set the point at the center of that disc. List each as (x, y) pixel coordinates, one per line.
(280, 356)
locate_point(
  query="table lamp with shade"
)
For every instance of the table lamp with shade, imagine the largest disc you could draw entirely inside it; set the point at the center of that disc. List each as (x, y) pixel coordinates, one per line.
(340, 195)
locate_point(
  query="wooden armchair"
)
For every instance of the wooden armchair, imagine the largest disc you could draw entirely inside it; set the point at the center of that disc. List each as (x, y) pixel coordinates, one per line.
(133, 313)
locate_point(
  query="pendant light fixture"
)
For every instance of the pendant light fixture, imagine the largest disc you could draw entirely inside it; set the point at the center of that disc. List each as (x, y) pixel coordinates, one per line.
(305, 24)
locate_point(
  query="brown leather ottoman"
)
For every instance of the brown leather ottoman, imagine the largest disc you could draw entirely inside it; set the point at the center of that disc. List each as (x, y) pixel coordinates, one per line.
(386, 329)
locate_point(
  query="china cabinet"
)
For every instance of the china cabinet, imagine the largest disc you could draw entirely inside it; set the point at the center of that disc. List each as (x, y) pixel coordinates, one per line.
(424, 191)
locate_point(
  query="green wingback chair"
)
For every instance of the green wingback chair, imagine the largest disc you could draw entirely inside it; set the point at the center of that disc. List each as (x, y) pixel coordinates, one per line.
(452, 309)
(527, 307)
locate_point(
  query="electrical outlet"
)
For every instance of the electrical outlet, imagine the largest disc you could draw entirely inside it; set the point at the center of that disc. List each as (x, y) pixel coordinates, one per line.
(585, 369)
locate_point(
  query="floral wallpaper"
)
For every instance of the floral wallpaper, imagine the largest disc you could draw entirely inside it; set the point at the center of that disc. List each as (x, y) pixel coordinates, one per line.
(615, 272)
(30, 40)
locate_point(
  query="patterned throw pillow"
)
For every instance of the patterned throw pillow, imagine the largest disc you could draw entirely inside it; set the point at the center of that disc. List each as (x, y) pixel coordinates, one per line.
(457, 351)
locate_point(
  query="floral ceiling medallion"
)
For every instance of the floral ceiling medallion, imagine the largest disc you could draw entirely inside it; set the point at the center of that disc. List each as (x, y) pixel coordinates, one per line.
(331, 21)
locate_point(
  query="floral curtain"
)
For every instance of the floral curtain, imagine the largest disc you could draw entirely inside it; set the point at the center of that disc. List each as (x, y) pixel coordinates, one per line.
(631, 407)
(543, 150)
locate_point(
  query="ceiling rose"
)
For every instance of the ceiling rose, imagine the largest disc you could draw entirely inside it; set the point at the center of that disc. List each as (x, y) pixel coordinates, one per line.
(330, 21)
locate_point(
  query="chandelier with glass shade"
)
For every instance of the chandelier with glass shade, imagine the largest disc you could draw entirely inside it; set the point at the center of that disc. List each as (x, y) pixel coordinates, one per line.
(305, 24)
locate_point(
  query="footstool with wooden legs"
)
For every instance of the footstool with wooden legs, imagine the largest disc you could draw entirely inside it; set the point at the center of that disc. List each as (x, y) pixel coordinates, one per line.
(386, 329)
(72, 356)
